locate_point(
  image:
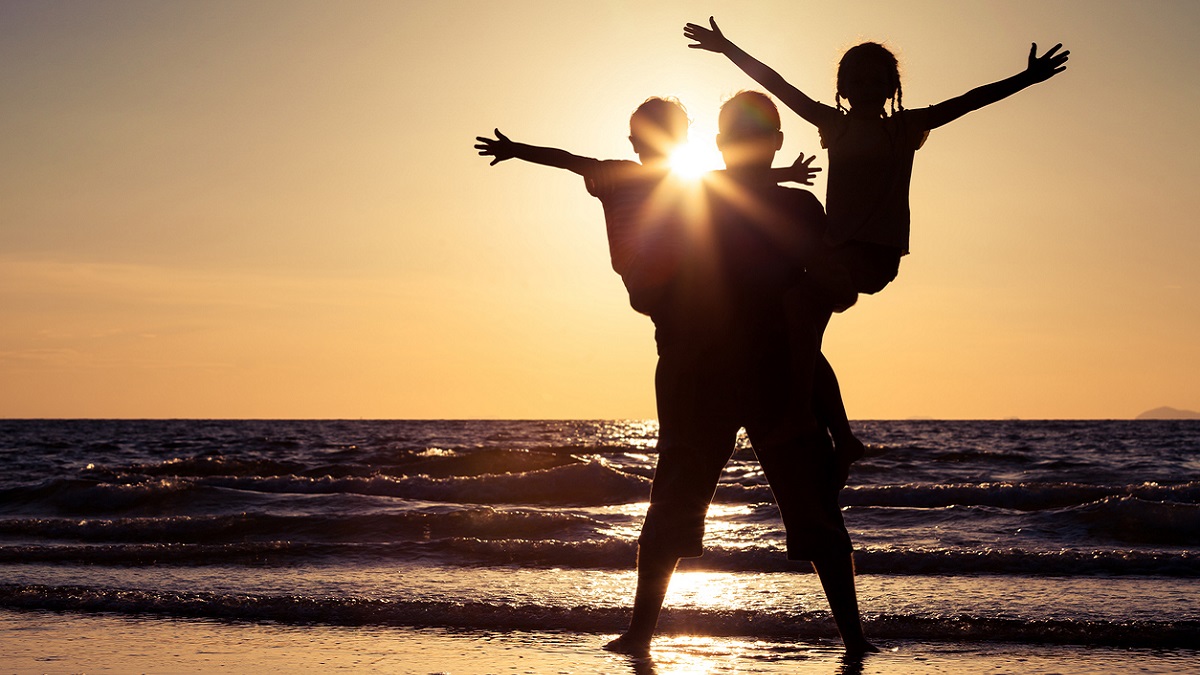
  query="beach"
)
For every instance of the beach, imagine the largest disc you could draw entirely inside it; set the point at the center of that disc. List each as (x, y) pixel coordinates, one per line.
(427, 547)
(48, 642)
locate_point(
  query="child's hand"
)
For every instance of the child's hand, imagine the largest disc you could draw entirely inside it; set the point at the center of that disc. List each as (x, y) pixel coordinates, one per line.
(500, 148)
(711, 40)
(801, 170)
(1042, 68)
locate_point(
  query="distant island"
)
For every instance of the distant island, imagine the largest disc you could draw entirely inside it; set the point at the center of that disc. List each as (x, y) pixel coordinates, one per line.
(1165, 413)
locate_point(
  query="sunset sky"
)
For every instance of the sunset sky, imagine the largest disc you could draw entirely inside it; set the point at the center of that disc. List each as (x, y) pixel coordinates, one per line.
(274, 210)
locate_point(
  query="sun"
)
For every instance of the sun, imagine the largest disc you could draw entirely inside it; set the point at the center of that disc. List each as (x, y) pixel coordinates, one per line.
(693, 160)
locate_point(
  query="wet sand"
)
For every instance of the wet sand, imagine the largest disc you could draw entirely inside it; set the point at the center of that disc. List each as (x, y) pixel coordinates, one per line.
(50, 642)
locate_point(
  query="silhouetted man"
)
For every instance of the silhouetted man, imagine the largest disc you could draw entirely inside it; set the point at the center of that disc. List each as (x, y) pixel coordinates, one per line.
(723, 365)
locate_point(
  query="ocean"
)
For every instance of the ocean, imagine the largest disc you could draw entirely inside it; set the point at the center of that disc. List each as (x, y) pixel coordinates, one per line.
(1035, 532)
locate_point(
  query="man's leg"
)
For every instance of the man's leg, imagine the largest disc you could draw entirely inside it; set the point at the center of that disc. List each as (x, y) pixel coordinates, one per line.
(696, 439)
(800, 475)
(837, 579)
(654, 575)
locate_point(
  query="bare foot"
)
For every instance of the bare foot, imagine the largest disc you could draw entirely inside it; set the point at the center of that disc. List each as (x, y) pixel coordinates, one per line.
(629, 646)
(857, 649)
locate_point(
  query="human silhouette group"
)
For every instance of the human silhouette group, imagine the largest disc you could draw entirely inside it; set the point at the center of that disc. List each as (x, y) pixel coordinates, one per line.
(741, 277)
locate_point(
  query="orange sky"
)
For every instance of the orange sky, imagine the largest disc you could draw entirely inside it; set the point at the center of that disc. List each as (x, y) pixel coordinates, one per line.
(273, 209)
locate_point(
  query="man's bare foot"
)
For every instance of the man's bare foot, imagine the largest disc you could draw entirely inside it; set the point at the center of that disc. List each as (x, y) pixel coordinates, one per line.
(629, 646)
(858, 648)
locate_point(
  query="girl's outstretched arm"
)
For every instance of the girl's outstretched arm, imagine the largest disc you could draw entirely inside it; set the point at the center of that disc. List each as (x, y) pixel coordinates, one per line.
(1040, 69)
(501, 148)
(711, 39)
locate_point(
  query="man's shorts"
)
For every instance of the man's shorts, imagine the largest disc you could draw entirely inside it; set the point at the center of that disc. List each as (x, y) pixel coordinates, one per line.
(702, 403)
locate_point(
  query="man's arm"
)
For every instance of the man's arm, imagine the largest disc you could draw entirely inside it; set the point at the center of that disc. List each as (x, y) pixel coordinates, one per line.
(711, 39)
(1039, 69)
(501, 148)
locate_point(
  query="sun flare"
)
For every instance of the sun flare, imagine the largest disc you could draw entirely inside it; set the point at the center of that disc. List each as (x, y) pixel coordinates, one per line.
(692, 160)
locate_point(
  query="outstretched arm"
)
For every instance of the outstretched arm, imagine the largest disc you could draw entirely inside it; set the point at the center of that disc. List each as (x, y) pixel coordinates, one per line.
(1039, 69)
(501, 148)
(801, 171)
(711, 39)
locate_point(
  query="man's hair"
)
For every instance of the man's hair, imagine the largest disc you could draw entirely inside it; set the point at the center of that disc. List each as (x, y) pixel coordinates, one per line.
(661, 123)
(748, 114)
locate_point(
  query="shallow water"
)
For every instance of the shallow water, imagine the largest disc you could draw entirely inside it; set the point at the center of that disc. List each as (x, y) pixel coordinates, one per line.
(1017, 532)
(48, 642)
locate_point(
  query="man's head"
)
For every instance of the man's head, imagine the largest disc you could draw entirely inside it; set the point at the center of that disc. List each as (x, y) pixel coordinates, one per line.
(749, 131)
(657, 128)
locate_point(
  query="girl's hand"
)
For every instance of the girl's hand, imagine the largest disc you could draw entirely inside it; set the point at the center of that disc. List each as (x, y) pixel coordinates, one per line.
(500, 148)
(1046, 66)
(710, 40)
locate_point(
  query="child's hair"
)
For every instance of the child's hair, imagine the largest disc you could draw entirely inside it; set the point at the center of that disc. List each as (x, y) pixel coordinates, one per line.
(748, 114)
(659, 122)
(871, 53)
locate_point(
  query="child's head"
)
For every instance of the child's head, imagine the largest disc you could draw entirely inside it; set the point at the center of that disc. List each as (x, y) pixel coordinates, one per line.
(749, 130)
(657, 127)
(868, 76)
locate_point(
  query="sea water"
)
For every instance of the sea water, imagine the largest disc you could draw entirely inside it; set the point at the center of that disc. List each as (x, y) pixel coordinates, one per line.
(1046, 532)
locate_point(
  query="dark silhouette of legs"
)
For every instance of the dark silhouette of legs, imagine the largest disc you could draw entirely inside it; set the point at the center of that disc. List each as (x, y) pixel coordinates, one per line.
(818, 397)
(837, 579)
(654, 575)
(831, 413)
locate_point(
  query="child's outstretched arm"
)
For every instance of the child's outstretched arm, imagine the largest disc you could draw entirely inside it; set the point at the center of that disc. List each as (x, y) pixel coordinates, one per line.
(501, 148)
(801, 171)
(711, 39)
(1039, 69)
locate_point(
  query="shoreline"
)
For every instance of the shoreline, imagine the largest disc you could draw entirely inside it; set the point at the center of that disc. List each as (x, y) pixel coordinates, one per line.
(67, 642)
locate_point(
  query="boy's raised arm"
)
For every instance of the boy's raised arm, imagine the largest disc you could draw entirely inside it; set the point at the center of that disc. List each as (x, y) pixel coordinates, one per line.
(711, 39)
(501, 148)
(1039, 69)
(801, 171)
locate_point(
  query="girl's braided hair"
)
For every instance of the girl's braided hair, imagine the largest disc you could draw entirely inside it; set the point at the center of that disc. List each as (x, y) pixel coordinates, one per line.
(871, 53)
